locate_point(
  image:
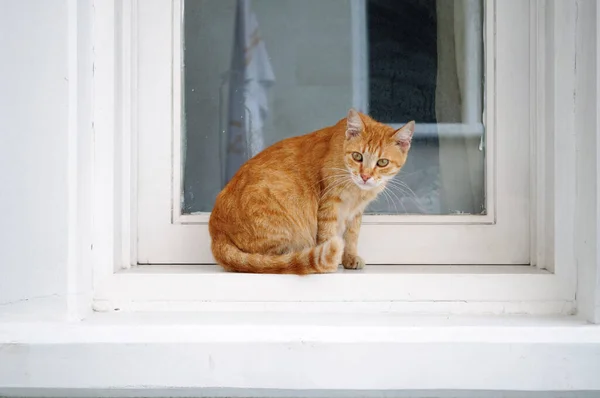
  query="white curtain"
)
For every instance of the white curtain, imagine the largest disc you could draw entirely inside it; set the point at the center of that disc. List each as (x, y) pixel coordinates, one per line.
(250, 77)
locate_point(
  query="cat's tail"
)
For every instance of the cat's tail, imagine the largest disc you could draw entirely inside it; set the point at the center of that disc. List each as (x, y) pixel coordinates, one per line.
(322, 258)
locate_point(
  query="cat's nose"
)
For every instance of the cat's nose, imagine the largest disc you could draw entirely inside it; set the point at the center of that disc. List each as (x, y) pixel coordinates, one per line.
(365, 177)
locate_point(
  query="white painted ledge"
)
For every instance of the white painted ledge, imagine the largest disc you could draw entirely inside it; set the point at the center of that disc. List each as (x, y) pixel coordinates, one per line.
(442, 289)
(233, 354)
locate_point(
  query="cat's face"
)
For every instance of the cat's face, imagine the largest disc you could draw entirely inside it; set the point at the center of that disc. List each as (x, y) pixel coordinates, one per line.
(373, 152)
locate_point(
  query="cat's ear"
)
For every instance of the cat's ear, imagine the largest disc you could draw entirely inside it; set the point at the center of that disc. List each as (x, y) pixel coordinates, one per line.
(354, 124)
(404, 134)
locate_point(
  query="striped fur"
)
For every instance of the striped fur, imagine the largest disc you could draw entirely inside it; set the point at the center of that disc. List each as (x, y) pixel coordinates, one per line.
(295, 208)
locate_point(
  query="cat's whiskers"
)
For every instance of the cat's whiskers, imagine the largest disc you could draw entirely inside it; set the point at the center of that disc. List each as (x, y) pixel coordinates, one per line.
(330, 176)
(404, 187)
(399, 181)
(334, 184)
(338, 169)
(407, 191)
(390, 200)
(390, 192)
(400, 187)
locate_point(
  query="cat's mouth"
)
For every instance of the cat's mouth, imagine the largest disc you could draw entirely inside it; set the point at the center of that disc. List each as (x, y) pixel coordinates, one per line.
(364, 185)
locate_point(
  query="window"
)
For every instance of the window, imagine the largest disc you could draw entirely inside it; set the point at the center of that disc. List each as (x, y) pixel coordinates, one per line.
(490, 253)
(428, 68)
(462, 198)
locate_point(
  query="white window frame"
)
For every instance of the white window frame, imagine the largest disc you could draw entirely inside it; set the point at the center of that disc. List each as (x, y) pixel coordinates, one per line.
(547, 288)
(499, 237)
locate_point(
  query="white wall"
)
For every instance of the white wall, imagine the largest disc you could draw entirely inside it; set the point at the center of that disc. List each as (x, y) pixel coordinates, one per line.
(39, 97)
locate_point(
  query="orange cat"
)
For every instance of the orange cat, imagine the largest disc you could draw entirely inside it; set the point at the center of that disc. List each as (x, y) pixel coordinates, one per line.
(296, 207)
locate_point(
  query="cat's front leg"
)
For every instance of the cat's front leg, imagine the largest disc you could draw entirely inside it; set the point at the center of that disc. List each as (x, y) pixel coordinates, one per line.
(351, 259)
(327, 222)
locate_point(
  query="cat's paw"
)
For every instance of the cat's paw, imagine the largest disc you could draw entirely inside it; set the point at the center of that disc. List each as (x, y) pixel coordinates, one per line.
(353, 262)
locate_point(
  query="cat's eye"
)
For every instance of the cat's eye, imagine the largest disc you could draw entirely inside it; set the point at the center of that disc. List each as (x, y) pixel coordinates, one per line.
(383, 162)
(357, 156)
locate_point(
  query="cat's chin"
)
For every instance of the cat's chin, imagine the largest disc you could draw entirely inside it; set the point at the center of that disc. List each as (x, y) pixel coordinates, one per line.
(365, 187)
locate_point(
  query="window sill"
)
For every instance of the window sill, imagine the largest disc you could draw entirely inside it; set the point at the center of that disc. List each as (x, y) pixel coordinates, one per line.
(233, 353)
(399, 289)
